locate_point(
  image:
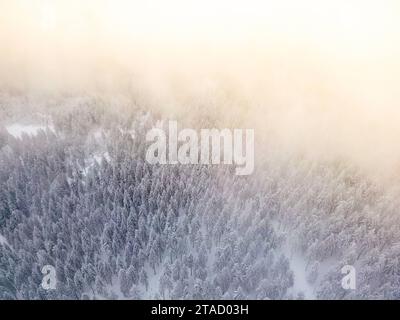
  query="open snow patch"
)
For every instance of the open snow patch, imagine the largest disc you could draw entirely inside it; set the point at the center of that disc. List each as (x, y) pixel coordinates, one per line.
(299, 265)
(97, 158)
(3, 240)
(17, 129)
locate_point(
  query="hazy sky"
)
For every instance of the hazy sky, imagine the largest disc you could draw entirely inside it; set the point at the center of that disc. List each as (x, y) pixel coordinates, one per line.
(50, 37)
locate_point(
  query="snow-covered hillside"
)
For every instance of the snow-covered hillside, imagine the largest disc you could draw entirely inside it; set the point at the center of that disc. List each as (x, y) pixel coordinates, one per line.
(125, 229)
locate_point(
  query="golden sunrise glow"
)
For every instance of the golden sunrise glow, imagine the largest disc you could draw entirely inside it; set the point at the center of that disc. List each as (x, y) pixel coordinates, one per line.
(73, 38)
(326, 71)
(354, 23)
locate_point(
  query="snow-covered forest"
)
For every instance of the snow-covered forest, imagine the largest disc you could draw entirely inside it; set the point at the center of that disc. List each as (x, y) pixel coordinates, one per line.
(76, 193)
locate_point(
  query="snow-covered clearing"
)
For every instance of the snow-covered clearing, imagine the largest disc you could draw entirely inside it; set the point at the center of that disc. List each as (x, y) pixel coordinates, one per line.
(17, 129)
(298, 265)
(3, 240)
(97, 158)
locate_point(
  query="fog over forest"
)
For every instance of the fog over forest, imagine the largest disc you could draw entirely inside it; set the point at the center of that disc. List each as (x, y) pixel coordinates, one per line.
(82, 83)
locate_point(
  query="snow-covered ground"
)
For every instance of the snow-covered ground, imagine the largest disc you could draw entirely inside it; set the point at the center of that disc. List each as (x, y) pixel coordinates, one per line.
(3, 240)
(97, 158)
(17, 129)
(298, 266)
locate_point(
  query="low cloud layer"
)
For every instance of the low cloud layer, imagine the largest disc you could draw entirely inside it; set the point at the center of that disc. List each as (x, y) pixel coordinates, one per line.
(319, 78)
